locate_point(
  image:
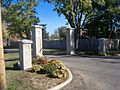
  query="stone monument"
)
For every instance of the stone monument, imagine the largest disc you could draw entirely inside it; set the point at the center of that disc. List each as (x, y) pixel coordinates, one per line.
(25, 54)
(37, 40)
(70, 47)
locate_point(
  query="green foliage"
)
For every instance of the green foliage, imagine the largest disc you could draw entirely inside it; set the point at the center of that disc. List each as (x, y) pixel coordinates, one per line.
(20, 16)
(101, 54)
(37, 68)
(48, 69)
(62, 32)
(75, 11)
(100, 17)
(45, 34)
(58, 73)
(55, 69)
(59, 33)
(5, 34)
(81, 53)
(54, 36)
(105, 20)
(57, 64)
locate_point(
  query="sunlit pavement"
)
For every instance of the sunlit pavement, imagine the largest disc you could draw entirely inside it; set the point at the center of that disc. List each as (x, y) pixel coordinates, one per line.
(92, 73)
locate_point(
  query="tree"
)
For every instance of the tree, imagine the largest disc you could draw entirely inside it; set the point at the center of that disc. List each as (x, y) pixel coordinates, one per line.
(5, 33)
(54, 36)
(62, 32)
(45, 34)
(76, 12)
(105, 20)
(2, 64)
(59, 33)
(20, 16)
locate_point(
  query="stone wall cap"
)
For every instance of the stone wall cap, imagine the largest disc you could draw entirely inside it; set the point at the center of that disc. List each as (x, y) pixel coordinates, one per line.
(25, 41)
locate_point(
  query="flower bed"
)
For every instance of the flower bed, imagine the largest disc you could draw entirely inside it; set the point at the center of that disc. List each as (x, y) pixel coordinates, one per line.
(53, 68)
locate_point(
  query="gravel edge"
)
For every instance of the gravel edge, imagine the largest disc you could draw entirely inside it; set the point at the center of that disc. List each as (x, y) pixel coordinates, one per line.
(58, 87)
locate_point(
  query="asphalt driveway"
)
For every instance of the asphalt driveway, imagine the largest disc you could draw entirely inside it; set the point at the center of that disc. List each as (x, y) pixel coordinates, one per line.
(92, 73)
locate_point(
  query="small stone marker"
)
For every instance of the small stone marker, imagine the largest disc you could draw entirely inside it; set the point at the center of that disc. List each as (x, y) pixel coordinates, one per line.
(25, 54)
(37, 40)
(70, 47)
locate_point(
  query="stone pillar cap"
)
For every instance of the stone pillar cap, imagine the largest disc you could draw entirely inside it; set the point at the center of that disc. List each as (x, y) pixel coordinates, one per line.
(25, 41)
(37, 26)
(70, 28)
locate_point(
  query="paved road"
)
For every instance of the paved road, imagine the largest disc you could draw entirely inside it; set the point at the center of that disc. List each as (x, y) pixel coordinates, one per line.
(92, 73)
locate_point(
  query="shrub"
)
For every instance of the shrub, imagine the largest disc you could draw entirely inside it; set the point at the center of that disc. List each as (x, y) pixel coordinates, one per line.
(91, 53)
(37, 68)
(81, 53)
(58, 73)
(47, 69)
(101, 54)
(54, 68)
(40, 60)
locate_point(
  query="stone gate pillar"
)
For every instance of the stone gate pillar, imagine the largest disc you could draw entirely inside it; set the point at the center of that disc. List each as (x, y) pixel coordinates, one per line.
(25, 54)
(37, 40)
(102, 46)
(117, 43)
(70, 47)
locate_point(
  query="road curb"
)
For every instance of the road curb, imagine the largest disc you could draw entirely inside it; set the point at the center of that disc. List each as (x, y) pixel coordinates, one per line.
(58, 87)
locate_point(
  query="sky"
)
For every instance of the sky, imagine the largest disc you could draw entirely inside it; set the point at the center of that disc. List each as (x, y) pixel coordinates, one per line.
(50, 17)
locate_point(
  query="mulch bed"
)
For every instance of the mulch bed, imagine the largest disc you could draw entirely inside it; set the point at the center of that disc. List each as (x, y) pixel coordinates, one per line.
(39, 81)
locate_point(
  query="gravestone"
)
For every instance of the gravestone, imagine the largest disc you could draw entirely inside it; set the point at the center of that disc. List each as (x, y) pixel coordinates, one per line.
(25, 54)
(70, 47)
(37, 40)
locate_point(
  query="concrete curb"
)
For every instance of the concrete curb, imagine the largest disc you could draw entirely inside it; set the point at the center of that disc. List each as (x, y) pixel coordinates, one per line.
(58, 87)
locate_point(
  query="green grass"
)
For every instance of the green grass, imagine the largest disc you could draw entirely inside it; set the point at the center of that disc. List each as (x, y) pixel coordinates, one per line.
(13, 76)
(10, 59)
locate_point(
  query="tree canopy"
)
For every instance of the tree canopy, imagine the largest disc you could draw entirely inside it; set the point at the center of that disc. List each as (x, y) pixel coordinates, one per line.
(62, 32)
(75, 11)
(45, 34)
(59, 33)
(106, 19)
(90, 14)
(20, 16)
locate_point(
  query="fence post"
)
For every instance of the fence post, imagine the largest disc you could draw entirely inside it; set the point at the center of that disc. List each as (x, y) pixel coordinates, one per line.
(102, 46)
(37, 40)
(25, 54)
(70, 47)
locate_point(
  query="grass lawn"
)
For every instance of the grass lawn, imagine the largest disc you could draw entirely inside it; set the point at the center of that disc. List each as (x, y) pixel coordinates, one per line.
(12, 76)
(22, 80)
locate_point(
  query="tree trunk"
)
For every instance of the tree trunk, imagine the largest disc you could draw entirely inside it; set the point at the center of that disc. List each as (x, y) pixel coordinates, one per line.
(2, 64)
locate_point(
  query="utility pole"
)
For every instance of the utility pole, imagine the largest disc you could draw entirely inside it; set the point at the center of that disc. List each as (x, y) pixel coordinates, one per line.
(2, 63)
